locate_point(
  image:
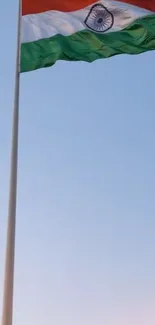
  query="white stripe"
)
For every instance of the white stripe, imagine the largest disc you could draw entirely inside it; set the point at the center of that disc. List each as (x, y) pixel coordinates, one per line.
(50, 23)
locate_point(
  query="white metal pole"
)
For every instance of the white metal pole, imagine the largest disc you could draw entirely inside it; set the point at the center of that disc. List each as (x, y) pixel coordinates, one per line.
(7, 312)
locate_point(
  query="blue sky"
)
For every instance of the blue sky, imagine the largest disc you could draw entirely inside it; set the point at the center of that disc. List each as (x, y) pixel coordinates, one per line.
(85, 215)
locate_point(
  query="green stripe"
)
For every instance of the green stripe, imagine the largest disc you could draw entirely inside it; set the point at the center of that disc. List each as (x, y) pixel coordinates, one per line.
(88, 46)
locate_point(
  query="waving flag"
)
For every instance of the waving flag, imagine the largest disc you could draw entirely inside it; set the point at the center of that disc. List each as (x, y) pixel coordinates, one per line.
(84, 30)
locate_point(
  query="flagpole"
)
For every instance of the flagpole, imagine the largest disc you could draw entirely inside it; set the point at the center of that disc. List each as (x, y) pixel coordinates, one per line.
(7, 312)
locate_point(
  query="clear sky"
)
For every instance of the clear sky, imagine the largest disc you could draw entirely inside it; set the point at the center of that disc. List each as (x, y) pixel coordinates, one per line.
(86, 191)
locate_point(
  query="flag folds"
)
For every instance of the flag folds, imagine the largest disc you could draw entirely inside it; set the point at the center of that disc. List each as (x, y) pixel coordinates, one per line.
(84, 30)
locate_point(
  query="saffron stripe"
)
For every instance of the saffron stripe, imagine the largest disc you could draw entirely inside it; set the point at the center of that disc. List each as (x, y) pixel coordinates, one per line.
(38, 6)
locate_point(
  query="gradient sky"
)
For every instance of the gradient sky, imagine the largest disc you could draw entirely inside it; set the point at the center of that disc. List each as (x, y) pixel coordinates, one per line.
(86, 191)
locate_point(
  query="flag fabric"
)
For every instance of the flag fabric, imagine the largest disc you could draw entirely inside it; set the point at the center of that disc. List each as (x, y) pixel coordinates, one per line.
(84, 30)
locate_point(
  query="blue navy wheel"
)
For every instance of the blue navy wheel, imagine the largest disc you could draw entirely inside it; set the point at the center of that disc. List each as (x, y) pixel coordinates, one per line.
(99, 19)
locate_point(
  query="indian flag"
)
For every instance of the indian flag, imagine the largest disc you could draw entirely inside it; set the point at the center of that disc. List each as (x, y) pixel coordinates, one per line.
(84, 30)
